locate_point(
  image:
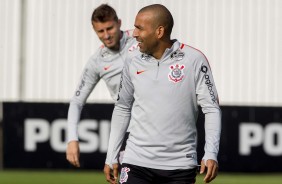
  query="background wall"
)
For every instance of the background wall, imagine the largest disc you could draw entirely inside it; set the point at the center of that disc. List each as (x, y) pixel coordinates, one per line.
(44, 45)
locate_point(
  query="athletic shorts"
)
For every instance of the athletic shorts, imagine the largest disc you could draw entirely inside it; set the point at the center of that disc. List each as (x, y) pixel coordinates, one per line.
(132, 174)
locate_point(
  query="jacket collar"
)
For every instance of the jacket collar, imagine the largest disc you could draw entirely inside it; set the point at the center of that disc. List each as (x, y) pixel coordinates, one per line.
(168, 52)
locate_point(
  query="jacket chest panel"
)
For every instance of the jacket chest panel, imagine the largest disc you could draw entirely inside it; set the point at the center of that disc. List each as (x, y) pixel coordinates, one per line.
(168, 79)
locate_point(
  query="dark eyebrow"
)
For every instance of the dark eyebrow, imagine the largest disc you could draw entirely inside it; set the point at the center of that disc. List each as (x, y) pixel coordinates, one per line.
(138, 27)
(107, 28)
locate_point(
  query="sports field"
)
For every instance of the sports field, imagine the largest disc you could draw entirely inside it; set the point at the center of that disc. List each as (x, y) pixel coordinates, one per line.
(94, 177)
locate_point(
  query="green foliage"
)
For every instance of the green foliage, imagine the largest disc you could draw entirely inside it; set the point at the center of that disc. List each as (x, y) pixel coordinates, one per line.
(51, 177)
(97, 177)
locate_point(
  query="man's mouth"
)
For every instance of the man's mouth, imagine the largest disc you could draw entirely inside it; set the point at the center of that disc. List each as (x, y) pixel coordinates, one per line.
(108, 41)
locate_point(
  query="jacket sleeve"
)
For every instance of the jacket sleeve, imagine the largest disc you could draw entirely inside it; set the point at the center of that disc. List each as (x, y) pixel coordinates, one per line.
(89, 79)
(121, 116)
(207, 98)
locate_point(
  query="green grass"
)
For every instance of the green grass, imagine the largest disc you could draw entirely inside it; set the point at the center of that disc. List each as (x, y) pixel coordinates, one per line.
(94, 177)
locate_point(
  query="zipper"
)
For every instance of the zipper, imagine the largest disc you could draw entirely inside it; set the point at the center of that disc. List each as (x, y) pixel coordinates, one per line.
(158, 69)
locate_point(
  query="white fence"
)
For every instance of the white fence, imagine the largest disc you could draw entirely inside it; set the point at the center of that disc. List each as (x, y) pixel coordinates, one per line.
(44, 45)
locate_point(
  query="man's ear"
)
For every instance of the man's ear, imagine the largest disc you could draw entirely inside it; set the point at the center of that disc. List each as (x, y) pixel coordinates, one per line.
(160, 32)
(119, 22)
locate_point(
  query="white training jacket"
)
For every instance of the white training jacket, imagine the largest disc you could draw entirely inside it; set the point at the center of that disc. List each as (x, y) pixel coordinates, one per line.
(162, 98)
(104, 64)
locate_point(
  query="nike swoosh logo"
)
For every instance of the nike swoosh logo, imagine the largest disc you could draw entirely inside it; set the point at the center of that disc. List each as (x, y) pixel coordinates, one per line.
(139, 72)
(107, 67)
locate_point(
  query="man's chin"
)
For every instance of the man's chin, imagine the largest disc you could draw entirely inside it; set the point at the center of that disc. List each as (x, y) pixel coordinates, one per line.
(142, 50)
(110, 45)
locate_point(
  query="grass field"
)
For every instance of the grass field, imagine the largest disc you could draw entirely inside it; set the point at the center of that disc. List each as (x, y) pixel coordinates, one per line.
(94, 177)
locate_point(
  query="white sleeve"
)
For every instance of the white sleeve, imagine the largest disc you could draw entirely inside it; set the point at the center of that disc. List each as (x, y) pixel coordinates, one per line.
(207, 98)
(88, 81)
(73, 119)
(121, 117)
(212, 135)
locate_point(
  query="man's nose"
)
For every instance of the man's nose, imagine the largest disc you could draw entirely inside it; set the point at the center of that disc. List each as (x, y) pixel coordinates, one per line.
(135, 33)
(106, 35)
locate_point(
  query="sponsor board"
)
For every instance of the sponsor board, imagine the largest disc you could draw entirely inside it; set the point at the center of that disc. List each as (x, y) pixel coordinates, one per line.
(34, 136)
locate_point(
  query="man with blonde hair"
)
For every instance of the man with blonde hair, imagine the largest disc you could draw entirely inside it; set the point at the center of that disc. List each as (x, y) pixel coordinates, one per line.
(107, 64)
